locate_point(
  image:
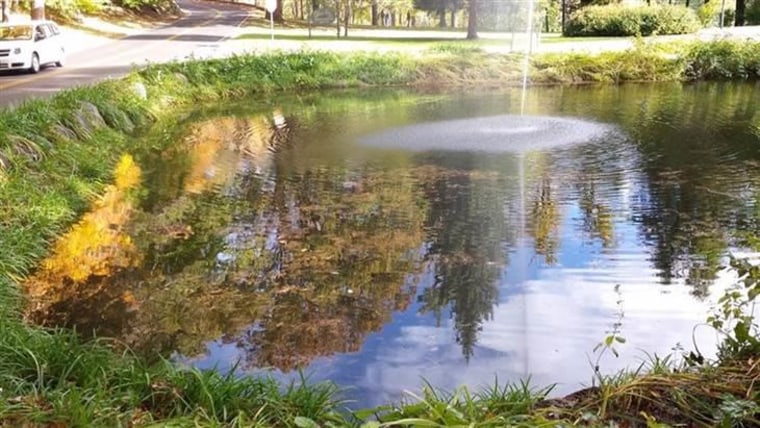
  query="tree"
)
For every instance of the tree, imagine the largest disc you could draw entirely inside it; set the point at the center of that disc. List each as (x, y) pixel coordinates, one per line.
(437, 6)
(276, 16)
(741, 9)
(472, 20)
(38, 9)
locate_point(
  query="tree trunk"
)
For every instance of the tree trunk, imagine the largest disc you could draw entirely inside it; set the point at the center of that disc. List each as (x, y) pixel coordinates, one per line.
(278, 17)
(4, 11)
(346, 17)
(337, 18)
(454, 17)
(374, 13)
(472, 20)
(741, 8)
(442, 17)
(38, 9)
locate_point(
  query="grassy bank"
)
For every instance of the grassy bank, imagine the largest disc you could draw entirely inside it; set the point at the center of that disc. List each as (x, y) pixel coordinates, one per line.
(450, 65)
(58, 155)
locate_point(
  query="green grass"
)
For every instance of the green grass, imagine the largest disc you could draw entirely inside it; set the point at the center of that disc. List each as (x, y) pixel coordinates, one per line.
(352, 38)
(47, 180)
(415, 39)
(53, 378)
(493, 406)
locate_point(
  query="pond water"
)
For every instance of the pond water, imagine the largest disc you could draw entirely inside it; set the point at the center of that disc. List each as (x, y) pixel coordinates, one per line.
(329, 232)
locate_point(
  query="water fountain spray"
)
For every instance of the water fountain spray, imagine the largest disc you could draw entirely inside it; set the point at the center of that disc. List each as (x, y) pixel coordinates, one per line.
(526, 59)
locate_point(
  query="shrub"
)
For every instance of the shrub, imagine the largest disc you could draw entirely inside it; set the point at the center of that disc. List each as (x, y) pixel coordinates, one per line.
(729, 16)
(72, 10)
(723, 59)
(753, 13)
(153, 5)
(614, 20)
(708, 13)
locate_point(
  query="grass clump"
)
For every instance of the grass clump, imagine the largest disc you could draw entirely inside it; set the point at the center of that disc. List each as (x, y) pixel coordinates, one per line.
(636, 65)
(52, 378)
(614, 20)
(670, 394)
(495, 406)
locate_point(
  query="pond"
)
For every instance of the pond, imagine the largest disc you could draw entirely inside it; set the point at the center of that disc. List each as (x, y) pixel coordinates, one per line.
(332, 233)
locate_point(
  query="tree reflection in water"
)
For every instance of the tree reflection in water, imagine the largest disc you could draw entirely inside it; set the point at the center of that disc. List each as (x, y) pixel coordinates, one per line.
(466, 230)
(317, 259)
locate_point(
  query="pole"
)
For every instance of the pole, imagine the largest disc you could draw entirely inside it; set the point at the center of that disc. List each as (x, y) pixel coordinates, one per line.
(271, 24)
(722, 8)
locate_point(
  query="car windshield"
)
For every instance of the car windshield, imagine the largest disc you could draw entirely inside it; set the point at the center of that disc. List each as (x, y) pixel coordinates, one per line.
(16, 32)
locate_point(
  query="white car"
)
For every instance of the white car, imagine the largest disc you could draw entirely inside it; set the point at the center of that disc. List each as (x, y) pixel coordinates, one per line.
(30, 45)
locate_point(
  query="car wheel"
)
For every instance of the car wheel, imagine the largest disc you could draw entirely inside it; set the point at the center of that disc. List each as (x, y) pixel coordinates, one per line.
(35, 68)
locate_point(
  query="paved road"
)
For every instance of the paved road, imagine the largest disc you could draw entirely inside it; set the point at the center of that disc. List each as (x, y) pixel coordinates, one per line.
(201, 33)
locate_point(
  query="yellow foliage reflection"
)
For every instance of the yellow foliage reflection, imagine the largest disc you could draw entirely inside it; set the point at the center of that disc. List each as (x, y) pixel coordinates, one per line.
(215, 147)
(233, 231)
(98, 244)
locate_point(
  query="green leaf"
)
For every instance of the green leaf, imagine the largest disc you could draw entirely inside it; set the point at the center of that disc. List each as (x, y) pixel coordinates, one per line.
(412, 421)
(741, 331)
(362, 414)
(371, 424)
(620, 339)
(303, 422)
(753, 292)
(609, 340)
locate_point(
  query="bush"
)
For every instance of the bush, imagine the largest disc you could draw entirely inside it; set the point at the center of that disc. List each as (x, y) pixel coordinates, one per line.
(72, 10)
(722, 60)
(708, 13)
(729, 16)
(160, 6)
(753, 13)
(614, 20)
